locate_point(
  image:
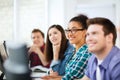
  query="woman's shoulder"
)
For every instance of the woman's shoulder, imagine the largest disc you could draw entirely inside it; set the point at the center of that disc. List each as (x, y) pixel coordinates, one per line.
(70, 46)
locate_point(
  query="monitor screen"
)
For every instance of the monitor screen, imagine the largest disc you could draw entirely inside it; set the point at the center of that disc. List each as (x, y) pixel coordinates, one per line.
(17, 51)
(18, 61)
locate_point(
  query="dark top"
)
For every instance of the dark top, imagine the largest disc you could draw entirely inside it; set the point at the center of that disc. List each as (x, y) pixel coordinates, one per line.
(34, 59)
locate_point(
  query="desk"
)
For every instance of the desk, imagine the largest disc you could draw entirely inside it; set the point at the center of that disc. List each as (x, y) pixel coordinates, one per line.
(37, 75)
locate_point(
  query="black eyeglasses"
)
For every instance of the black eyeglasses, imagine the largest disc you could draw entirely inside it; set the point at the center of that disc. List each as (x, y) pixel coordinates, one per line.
(73, 31)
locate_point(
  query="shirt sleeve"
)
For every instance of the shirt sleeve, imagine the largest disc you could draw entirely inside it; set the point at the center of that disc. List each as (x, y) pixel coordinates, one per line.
(115, 72)
(55, 65)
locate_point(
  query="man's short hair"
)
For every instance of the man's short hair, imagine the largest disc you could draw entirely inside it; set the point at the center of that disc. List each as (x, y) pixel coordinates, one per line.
(108, 26)
(38, 30)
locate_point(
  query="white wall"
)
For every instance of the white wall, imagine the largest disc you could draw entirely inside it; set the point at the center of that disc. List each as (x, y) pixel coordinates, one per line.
(19, 17)
(6, 20)
(43, 13)
(55, 12)
(31, 15)
(104, 2)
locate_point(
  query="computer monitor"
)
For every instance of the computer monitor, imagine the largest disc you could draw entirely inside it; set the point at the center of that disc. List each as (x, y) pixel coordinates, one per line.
(17, 64)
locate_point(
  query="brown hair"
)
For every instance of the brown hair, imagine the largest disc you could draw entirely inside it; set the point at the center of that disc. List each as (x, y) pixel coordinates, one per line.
(108, 26)
(49, 49)
(38, 30)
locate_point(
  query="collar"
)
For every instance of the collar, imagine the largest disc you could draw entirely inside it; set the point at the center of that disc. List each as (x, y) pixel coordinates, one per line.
(107, 60)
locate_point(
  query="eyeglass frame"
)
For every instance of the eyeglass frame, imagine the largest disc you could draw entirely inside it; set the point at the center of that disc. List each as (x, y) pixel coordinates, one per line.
(73, 31)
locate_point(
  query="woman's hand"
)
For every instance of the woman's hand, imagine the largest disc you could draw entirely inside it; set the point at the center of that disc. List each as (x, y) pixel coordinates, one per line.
(56, 50)
(51, 77)
(52, 73)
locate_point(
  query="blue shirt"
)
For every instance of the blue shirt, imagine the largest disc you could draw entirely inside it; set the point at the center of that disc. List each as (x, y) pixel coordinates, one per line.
(110, 67)
(59, 66)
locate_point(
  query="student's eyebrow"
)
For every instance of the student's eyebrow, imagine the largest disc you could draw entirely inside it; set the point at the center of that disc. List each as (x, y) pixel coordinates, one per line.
(72, 27)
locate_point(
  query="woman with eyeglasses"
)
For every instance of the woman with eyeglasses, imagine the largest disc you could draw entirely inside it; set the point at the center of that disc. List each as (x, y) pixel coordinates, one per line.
(75, 33)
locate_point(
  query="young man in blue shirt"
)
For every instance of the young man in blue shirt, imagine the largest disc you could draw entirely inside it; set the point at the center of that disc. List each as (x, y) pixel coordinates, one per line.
(105, 61)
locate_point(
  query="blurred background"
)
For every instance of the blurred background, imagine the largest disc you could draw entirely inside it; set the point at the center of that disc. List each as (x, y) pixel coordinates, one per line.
(19, 17)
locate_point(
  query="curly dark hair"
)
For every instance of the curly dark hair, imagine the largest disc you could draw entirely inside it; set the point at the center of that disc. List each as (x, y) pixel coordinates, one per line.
(82, 19)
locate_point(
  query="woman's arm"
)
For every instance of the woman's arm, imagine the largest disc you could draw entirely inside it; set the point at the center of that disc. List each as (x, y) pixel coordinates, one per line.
(55, 62)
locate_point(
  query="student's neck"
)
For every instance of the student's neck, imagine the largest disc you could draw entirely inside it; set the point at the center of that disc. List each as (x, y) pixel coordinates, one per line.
(77, 46)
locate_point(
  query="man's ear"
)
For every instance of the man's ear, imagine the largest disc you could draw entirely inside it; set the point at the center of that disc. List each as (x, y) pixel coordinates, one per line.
(110, 38)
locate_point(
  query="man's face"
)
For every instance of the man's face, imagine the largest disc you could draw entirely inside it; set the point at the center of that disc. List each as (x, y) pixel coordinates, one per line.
(96, 39)
(37, 39)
